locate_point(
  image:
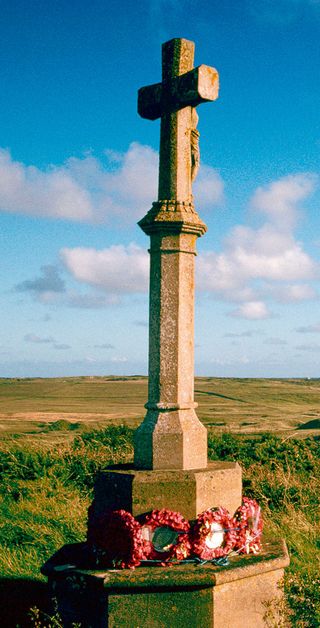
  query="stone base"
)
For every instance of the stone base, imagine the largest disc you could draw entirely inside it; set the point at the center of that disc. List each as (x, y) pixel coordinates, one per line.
(188, 492)
(245, 594)
(172, 439)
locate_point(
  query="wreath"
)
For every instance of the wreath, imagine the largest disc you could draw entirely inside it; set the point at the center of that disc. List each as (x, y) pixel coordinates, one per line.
(116, 540)
(165, 536)
(249, 523)
(214, 534)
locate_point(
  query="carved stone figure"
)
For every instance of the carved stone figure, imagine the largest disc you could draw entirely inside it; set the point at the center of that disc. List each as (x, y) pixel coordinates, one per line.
(194, 142)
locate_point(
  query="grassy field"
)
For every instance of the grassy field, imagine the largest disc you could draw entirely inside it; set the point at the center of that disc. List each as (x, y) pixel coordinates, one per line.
(58, 433)
(243, 406)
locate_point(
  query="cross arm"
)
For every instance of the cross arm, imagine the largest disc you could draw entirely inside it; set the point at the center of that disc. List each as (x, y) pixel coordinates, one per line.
(187, 90)
(149, 101)
(192, 88)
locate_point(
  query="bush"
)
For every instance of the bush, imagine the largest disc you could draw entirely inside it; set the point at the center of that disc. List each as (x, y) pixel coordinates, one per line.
(292, 454)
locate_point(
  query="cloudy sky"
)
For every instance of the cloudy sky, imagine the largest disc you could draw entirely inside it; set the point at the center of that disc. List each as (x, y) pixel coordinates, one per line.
(78, 169)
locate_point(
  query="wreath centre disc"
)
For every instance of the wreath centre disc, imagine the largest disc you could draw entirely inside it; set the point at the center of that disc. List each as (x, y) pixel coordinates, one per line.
(163, 538)
(215, 537)
(147, 533)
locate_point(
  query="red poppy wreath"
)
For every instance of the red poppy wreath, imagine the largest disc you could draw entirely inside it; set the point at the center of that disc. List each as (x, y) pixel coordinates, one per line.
(214, 534)
(165, 536)
(116, 540)
(249, 523)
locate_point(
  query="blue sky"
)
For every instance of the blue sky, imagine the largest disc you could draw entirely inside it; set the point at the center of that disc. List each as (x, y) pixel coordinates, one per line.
(78, 169)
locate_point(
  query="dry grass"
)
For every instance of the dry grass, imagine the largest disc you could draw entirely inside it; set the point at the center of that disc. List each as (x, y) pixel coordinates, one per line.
(242, 406)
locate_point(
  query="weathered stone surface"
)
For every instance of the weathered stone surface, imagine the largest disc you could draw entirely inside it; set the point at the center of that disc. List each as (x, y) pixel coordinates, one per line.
(171, 436)
(249, 602)
(199, 85)
(173, 217)
(161, 610)
(189, 492)
(241, 595)
(183, 87)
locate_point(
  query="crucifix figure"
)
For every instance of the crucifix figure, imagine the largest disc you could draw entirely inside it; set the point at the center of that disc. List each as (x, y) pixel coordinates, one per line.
(171, 436)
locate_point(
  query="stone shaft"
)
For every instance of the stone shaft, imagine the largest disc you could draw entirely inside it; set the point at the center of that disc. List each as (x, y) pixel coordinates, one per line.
(171, 320)
(171, 435)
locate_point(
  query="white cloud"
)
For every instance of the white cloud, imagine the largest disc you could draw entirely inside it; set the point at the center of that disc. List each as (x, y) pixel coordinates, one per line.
(253, 310)
(279, 199)
(119, 186)
(255, 264)
(124, 185)
(51, 193)
(292, 293)
(250, 255)
(117, 270)
(208, 188)
(266, 262)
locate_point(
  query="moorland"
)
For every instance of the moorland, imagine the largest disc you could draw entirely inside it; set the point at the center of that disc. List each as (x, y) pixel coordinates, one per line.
(57, 433)
(243, 406)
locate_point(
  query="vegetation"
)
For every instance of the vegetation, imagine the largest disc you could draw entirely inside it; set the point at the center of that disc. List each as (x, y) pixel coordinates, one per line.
(47, 482)
(45, 495)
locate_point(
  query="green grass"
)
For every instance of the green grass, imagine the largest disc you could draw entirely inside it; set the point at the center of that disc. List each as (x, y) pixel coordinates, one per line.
(45, 493)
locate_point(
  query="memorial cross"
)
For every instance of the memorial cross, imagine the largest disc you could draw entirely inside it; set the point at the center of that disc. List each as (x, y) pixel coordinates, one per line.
(171, 435)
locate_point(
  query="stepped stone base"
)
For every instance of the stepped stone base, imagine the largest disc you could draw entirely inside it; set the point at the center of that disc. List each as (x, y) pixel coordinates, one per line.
(245, 594)
(189, 492)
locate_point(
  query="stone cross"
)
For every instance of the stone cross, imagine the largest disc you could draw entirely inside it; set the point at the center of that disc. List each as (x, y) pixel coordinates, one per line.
(171, 435)
(174, 100)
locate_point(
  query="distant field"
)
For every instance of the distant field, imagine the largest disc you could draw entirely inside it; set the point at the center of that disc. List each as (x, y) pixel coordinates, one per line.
(39, 407)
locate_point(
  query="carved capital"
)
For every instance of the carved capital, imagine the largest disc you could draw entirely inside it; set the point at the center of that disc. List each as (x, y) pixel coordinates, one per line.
(172, 216)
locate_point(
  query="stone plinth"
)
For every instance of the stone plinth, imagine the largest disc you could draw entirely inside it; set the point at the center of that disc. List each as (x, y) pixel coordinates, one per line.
(188, 492)
(241, 595)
